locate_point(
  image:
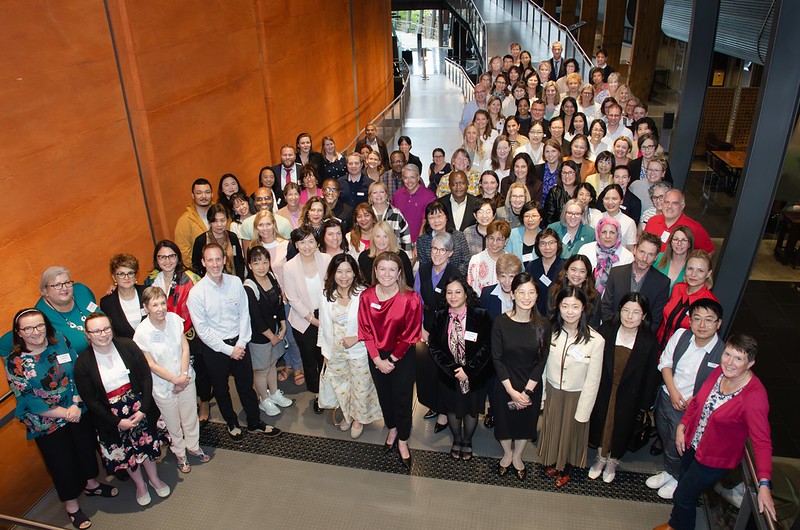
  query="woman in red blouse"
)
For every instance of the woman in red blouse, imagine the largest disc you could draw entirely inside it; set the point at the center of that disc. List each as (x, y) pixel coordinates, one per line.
(390, 324)
(697, 284)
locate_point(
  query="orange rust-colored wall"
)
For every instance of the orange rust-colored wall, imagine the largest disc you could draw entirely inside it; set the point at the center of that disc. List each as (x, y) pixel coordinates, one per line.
(210, 88)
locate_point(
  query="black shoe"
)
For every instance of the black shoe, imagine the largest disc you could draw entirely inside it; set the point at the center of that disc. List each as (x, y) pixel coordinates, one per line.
(455, 451)
(317, 409)
(466, 451)
(122, 474)
(389, 447)
(657, 447)
(488, 421)
(266, 430)
(430, 414)
(406, 461)
(439, 428)
(502, 470)
(521, 473)
(235, 433)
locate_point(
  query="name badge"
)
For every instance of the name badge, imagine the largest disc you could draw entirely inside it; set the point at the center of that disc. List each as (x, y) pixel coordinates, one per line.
(92, 307)
(664, 236)
(566, 239)
(143, 312)
(360, 193)
(230, 301)
(341, 319)
(623, 207)
(576, 354)
(438, 290)
(373, 305)
(63, 358)
(545, 280)
(470, 336)
(158, 338)
(527, 257)
(712, 365)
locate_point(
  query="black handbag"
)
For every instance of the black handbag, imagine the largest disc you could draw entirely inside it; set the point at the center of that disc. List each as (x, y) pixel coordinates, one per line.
(641, 432)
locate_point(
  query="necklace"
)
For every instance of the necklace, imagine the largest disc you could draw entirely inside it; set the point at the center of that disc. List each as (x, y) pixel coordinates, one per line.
(69, 322)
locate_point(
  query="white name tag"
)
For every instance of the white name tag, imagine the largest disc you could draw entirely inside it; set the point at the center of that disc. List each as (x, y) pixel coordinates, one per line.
(566, 239)
(664, 236)
(92, 307)
(623, 207)
(545, 280)
(712, 365)
(143, 312)
(470, 336)
(527, 257)
(360, 193)
(341, 319)
(438, 290)
(63, 358)
(575, 353)
(158, 338)
(373, 305)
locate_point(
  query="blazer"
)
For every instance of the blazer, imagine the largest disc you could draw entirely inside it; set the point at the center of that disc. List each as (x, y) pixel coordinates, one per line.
(536, 269)
(636, 390)
(111, 306)
(381, 149)
(325, 338)
(277, 189)
(90, 387)
(238, 255)
(564, 371)
(491, 303)
(469, 217)
(655, 287)
(414, 159)
(476, 352)
(562, 70)
(295, 287)
(428, 292)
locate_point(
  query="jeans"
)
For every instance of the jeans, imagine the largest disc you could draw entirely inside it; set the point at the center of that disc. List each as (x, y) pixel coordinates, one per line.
(695, 479)
(667, 420)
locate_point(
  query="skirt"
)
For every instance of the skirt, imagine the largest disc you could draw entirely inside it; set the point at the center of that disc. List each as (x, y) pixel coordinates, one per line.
(264, 356)
(354, 388)
(564, 440)
(136, 444)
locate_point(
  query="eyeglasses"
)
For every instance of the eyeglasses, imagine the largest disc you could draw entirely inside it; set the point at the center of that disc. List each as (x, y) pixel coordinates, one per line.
(167, 257)
(548, 243)
(98, 332)
(495, 239)
(125, 275)
(332, 189)
(707, 321)
(573, 214)
(680, 240)
(658, 198)
(648, 147)
(27, 330)
(60, 285)
(438, 250)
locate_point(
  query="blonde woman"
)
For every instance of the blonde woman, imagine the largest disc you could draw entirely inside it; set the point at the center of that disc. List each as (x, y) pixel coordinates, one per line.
(474, 146)
(383, 240)
(552, 100)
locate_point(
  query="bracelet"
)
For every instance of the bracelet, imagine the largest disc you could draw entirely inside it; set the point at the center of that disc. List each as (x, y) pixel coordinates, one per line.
(767, 483)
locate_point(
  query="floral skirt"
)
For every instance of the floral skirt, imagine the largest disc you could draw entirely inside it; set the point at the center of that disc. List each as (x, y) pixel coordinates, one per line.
(138, 443)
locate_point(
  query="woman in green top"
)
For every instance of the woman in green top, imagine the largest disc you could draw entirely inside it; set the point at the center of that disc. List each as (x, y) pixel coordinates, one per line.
(571, 230)
(672, 262)
(39, 369)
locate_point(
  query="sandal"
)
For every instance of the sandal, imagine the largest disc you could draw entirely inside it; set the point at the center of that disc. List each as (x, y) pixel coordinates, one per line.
(466, 452)
(455, 451)
(283, 373)
(102, 490)
(183, 465)
(79, 520)
(299, 377)
(201, 456)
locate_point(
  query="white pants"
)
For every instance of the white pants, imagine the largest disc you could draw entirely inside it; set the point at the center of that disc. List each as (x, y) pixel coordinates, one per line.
(180, 414)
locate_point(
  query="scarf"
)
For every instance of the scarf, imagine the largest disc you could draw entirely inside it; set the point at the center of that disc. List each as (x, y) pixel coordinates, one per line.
(456, 342)
(606, 257)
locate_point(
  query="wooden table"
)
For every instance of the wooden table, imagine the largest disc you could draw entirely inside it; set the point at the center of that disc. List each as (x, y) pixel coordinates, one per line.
(734, 163)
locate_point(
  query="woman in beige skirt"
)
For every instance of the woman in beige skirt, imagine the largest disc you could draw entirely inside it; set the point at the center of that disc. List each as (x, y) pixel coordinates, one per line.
(572, 378)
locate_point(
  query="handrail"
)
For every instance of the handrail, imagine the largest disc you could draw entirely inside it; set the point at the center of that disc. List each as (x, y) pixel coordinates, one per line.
(572, 49)
(467, 11)
(386, 119)
(750, 501)
(27, 523)
(6, 396)
(456, 73)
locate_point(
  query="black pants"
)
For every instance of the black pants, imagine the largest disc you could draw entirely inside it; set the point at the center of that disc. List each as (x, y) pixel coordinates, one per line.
(202, 383)
(311, 355)
(396, 392)
(220, 368)
(70, 455)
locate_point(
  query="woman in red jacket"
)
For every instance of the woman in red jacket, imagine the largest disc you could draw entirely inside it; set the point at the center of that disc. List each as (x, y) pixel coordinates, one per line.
(390, 324)
(731, 407)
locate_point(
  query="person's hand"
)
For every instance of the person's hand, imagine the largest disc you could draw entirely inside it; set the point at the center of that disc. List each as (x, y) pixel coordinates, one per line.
(678, 403)
(129, 423)
(349, 342)
(182, 380)
(177, 389)
(680, 439)
(384, 365)
(73, 414)
(460, 374)
(765, 502)
(314, 322)
(425, 335)
(238, 353)
(111, 289)
(520, 399)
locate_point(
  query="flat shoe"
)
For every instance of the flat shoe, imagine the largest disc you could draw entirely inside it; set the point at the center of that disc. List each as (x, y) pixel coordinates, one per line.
(466, 452)
(521, 474)
(355, 432)
(488, 421)
(502, 470)
(79, 520)
(344, 425)
(144, 500)
(161, 492)
(183, 465)
(455, 452)
(562, 480)
(551, 471)
(201, 456)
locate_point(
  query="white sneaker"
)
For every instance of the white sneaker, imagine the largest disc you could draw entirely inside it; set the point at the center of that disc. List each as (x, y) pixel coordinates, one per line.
(279, 399)
(269, 408)
(668, 490)
(735, 495)
(610, 472)
(656, 481)
(597, 467)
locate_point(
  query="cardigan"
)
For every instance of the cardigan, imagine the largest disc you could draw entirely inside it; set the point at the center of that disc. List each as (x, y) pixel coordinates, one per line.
(325, 339)
(566, 373)
(725, 435)
(90, 387)
(295, 287)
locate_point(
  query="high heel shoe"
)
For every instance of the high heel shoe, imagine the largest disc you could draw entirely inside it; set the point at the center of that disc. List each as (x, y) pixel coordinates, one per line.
(389, 447)
(521, 474)
(406, 460)
(439, 427)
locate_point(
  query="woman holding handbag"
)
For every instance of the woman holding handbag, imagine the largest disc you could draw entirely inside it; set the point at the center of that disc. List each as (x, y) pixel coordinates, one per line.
(346, 373)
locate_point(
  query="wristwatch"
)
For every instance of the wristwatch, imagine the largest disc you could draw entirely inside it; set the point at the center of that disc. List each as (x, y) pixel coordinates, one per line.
(765, 482)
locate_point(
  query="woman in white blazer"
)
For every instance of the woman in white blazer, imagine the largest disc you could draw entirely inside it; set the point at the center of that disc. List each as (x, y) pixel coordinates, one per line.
(346, 358)
(303, 278)
(572, 378)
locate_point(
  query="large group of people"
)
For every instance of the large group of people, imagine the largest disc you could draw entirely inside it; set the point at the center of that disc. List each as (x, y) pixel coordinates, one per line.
(548, 268)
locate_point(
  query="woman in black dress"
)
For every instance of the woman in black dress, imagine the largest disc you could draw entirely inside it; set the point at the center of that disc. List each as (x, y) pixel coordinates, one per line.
(459, 344)
(520, 344)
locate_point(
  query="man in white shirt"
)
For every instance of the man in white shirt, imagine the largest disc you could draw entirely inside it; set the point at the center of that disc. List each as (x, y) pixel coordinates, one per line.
(263, 200)
(219, 309)
(615, 128)
(688, 359)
